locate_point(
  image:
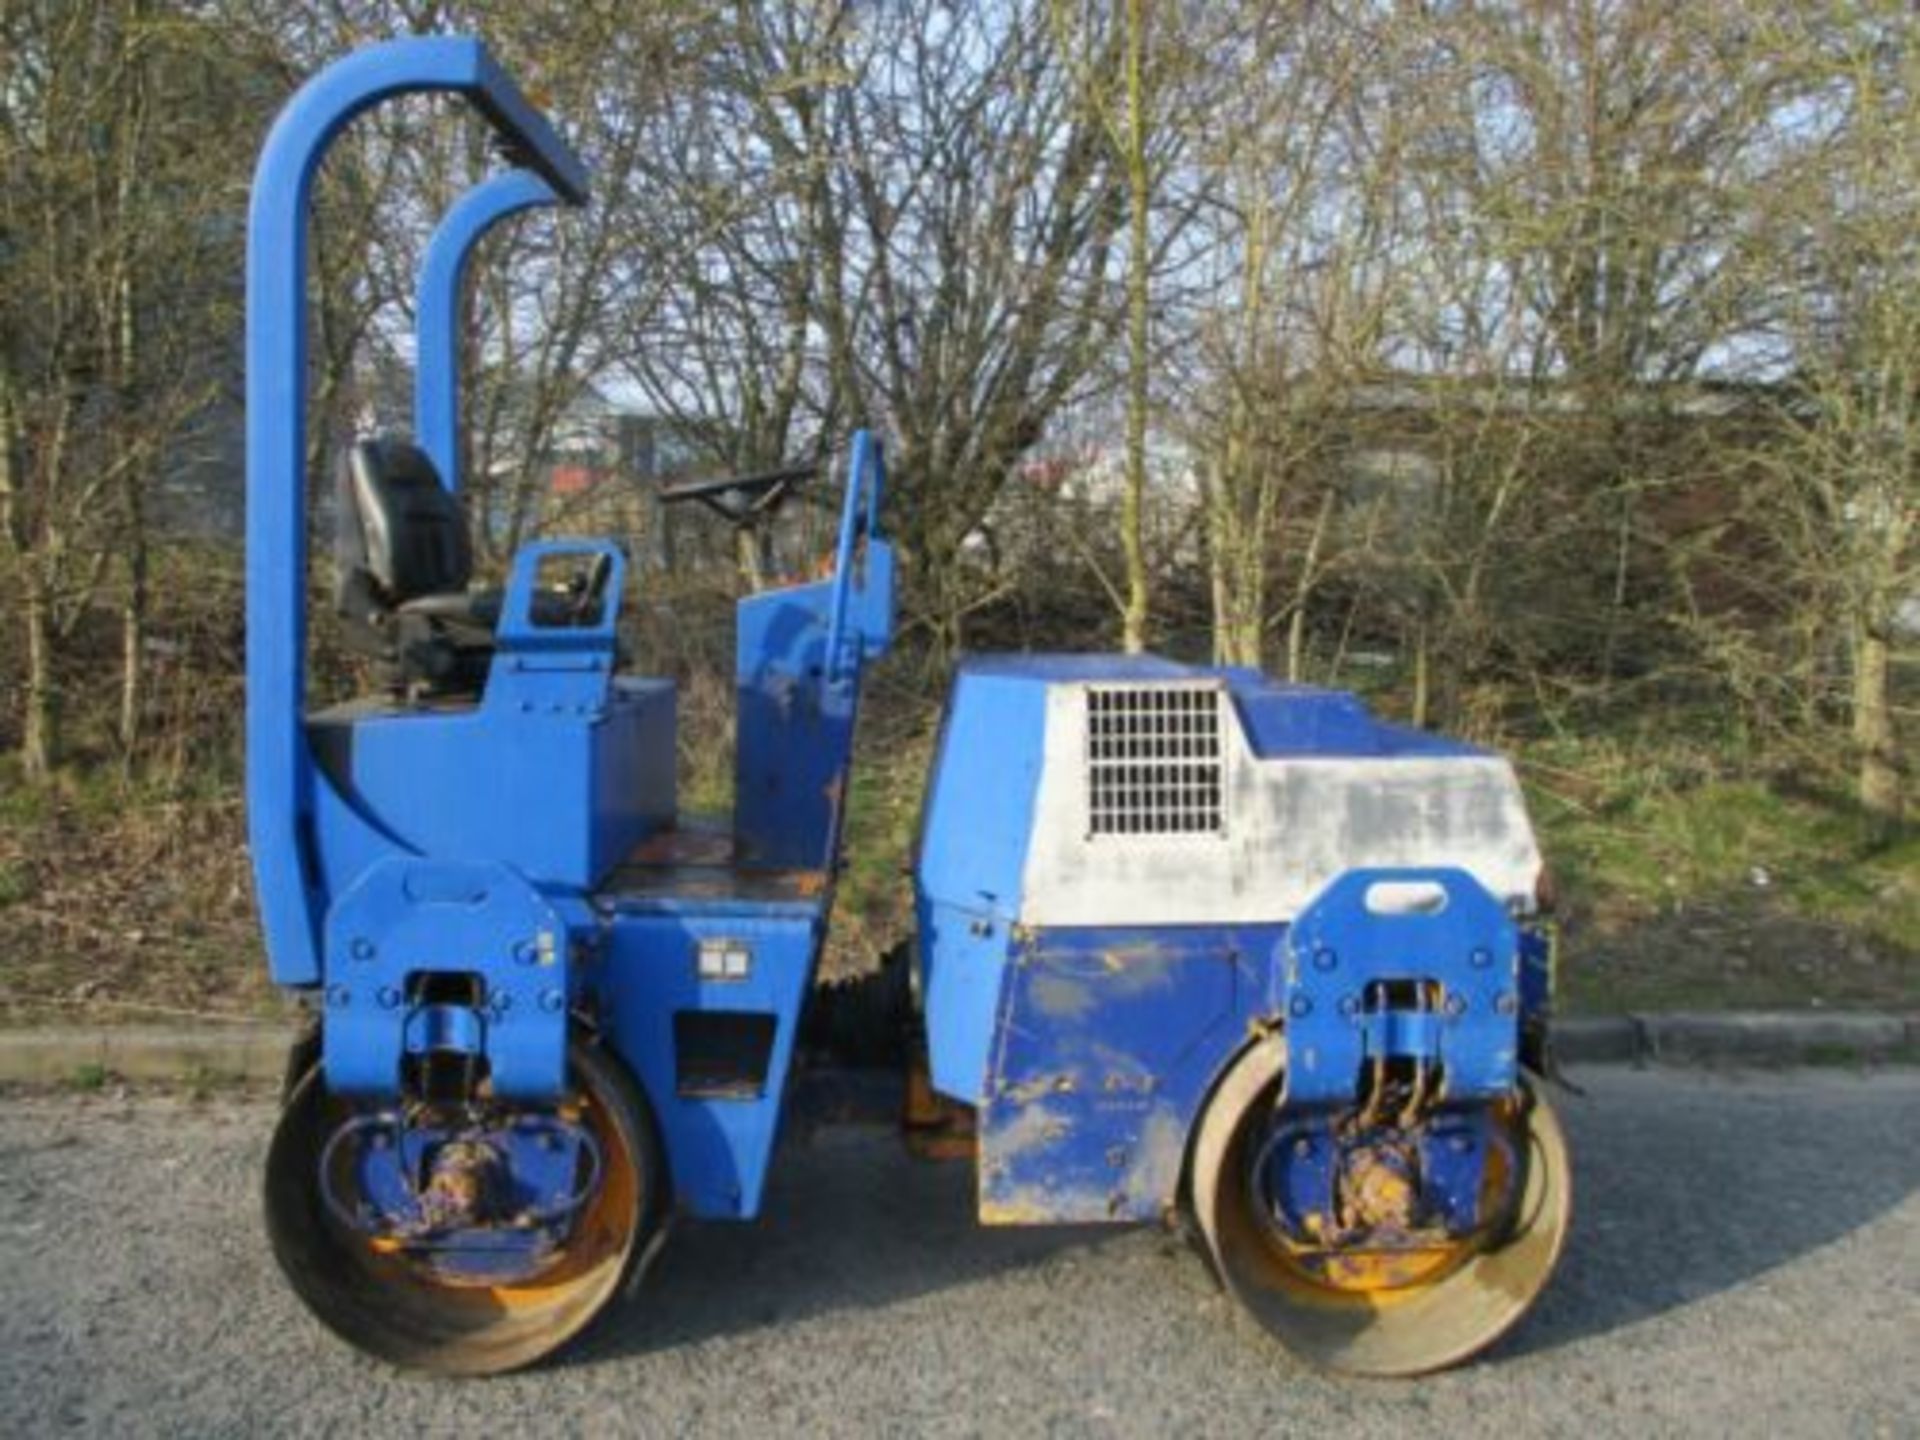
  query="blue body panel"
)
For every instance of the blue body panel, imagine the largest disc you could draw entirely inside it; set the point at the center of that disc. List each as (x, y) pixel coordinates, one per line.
(1050, 668)
(410, 917)
(1346, 944)
(1277, 717)
(563, 797)
(795, 742)
(559, 771)
(1108, 1042)
(1283, 719)
(718, 1146)
(975, 825)
(799, 652)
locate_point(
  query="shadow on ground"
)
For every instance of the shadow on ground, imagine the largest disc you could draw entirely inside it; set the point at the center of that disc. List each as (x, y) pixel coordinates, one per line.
(851, 1221)
(1682, 1191)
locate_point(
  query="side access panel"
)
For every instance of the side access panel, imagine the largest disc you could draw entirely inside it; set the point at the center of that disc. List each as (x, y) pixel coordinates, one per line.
(1106, 1045)
(703, 1003)
(975, 828)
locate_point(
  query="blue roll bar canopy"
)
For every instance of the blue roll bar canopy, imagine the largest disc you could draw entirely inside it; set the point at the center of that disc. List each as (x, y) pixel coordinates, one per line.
(280, 776)
(436, 376)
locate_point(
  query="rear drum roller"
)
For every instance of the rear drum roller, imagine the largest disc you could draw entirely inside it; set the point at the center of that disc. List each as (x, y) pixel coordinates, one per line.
(410, 1305)
(1400, 1315)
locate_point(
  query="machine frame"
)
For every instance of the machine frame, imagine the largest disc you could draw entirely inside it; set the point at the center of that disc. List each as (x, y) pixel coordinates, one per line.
(1190, 942)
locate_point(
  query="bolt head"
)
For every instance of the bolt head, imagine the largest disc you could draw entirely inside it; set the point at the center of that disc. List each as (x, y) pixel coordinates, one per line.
(1301, 1005)
(1325, 959)
(362, 948)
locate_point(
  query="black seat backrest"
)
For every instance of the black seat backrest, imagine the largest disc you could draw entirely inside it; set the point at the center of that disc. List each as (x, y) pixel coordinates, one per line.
(399, 525)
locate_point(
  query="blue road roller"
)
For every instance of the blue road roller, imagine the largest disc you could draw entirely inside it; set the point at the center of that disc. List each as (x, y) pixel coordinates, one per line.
(1193, 947)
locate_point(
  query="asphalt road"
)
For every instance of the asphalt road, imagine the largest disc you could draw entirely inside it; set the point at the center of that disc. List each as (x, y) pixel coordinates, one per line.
(1746, 1258)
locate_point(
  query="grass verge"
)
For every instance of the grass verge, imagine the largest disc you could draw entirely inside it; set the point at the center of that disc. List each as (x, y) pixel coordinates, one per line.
(1685, 883)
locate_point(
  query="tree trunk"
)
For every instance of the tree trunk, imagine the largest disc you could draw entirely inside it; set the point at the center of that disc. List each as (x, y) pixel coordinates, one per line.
(1879, 777)
(1238, 565)
(1245, 604)
(1212, 497)
(1303, 591)
(1139, 262)
(133, 631)
(750, 554)
(38, 731)
(1422, 677)
(133, 611)
(1617, 610)
(1297, 644)
(37, 724)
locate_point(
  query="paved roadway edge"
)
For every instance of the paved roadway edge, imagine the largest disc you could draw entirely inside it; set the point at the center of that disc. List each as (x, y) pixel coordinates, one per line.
(256, 1052)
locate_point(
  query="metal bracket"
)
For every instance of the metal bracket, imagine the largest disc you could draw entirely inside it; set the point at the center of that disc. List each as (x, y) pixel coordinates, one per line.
(411, 917)
(1405, 963)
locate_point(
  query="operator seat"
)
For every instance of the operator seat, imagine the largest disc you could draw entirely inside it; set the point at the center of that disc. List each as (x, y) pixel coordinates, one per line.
(404, 560)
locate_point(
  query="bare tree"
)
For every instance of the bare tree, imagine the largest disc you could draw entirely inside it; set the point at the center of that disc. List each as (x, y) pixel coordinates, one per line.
(1604, 149)
(1840, 470)
(117, 296)
(897, 215)
(1295, 320)
(1149, 47)
(747, 355)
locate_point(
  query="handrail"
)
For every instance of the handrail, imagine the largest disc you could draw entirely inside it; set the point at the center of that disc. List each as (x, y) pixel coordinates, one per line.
(858, 515)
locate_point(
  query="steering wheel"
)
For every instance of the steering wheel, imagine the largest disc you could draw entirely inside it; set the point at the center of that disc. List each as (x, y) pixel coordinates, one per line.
(590, 589)
(741, 499)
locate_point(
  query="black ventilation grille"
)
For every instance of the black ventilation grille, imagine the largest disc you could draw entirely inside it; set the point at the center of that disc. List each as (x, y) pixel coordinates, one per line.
(1153, 761)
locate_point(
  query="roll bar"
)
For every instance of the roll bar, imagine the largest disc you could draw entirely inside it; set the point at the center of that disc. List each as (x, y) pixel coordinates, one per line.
(280, 775)
(436, 316)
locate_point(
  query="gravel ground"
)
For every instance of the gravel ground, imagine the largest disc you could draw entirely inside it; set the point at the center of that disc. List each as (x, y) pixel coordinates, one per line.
(1746, 1258)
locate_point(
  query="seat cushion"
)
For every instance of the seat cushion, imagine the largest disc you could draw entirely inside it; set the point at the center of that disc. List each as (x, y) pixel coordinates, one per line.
(479, 610)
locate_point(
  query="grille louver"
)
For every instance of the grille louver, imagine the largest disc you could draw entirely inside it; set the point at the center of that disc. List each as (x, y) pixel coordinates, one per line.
(1153, 761)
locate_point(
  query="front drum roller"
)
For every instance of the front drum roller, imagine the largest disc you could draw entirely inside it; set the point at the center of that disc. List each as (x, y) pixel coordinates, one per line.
(1448, 1311)
(394, 1307)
